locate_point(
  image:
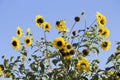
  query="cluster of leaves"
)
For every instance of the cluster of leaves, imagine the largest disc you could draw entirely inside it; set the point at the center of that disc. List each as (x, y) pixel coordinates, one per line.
(47, 62)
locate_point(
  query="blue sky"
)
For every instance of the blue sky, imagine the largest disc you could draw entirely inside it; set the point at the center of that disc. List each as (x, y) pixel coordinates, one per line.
(22, 13)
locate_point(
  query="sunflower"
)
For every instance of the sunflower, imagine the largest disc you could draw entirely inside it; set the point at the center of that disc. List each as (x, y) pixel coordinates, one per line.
(105, 45)
(83, 65)
(19, 32)
(106, 32)
(98, 15)
(46, 26)
(67, 57)
(67, 47)
(28, 41)
(39, 20)
(1, 69)
(101, 30)
(60, 26)
(101, 20)
(118, 76)
(15, 43)
(59, 43)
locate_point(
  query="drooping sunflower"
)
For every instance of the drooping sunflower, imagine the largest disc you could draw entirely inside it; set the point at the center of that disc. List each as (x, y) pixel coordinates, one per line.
(83, 65)
(60, 26)
(19, 32)
(15, 43)
(106, 33)
(39, 20)
(46, 26)
(101, 30)
(28, 41)
(105, 45)
(101, 20)
(59, 43)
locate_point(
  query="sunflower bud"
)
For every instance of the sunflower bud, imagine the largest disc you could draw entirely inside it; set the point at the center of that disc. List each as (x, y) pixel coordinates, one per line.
(72, 52)
(77, 19)
(74, 33)
(86, 52)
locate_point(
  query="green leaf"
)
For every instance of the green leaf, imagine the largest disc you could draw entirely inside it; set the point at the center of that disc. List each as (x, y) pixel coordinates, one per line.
(11, 58)
(111, 58)
(55, 61)
(75, 45)
(42, 67)
(96, 49)
(6, 63)
(33, 66)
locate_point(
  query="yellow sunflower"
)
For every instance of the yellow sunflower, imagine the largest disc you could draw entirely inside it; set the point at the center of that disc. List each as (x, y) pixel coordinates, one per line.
(105, 45)
(60, 26)
(117, 76)
(106, 33)
(59, 43)
(67, 47)
(1, 69)
(101, 30)
(98, 15)
(39, 20)
(15, 43)
(19, 32)
(46, 26)
(83, 65)
(67, 57)
(28, 41)
(101, 20)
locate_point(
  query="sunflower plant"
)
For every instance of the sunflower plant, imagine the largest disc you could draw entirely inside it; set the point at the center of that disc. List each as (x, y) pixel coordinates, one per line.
(65, 57)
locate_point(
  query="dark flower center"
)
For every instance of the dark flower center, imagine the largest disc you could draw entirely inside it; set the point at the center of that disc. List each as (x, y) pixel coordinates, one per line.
(100, 30)
(14, 43)
(68, 46)
(102, 22)
(118, 74)
(105, 44)
(57, 22)
(40, 20)
(104, 33)
(59, 43)
(46, 26)
(27, 41)
(18, 32)
(72, 52)
(83, 64)
(2, 67)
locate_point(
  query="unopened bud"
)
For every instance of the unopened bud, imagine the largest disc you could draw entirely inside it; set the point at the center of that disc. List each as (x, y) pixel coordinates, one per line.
(77, 19)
